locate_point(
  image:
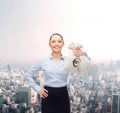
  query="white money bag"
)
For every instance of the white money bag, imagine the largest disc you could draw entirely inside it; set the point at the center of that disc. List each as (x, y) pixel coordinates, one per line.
(76, 64)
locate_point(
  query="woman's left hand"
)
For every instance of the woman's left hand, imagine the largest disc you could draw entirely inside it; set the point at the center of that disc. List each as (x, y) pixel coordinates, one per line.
(78, 52)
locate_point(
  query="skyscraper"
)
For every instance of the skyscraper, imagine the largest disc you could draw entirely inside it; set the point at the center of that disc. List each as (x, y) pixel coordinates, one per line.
(115, 103)
(27, 95)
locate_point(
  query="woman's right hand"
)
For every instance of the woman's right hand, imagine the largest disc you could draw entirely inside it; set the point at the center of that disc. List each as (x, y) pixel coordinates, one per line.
(43, 93)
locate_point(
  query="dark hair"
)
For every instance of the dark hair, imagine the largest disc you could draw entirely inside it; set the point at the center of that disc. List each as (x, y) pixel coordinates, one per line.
(56, 34)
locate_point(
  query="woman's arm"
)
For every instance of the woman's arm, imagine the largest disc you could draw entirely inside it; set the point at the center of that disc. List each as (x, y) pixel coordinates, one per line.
(28, 77)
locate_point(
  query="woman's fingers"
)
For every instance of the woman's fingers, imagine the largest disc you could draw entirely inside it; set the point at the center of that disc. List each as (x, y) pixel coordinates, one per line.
(78, 53)
(43, 93)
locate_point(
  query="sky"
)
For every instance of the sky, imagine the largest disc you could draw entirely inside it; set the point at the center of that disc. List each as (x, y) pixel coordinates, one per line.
(26, 25)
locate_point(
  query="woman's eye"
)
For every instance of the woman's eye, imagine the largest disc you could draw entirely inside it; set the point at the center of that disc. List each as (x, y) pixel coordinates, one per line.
(52, 41)
(59, 41)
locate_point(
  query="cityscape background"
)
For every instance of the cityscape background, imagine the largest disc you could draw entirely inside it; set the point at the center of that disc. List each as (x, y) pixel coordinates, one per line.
(25, 28)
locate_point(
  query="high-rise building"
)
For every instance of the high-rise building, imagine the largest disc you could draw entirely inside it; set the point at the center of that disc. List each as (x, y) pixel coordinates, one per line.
(34, 97)
(24, 95)
(115, 103)
(1, 101)
(27, 95)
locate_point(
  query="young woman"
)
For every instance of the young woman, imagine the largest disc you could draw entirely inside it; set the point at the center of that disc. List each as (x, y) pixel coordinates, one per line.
(54, 94)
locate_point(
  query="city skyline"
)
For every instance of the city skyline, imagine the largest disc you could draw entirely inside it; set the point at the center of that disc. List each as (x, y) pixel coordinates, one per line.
(25, 28)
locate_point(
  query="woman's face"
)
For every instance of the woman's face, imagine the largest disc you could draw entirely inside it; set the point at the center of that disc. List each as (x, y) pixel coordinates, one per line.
(56, 43)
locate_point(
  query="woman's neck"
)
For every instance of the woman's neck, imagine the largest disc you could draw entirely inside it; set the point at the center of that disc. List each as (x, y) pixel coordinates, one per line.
(56, 56)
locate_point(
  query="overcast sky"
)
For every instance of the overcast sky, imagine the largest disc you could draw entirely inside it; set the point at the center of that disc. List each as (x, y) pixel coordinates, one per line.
(26, 25)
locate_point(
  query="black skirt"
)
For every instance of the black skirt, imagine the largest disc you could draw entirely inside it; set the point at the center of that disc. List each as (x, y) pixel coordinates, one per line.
(57, 101)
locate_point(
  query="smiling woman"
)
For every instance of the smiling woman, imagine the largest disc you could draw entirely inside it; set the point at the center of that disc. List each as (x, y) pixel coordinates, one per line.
(55, 98)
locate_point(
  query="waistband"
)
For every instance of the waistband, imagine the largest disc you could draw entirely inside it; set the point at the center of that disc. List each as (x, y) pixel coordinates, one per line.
(49, 87)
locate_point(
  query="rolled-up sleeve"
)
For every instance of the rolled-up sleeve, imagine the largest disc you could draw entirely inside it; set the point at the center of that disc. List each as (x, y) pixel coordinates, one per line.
(28, 77)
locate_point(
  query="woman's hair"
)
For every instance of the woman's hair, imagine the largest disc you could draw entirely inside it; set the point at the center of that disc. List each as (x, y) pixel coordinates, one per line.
(56, 34)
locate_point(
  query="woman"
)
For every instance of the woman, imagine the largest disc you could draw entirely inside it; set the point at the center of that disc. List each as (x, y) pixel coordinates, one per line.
(55, 98)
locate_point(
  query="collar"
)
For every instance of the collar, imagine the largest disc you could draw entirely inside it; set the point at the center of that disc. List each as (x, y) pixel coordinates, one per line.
(62, 57)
